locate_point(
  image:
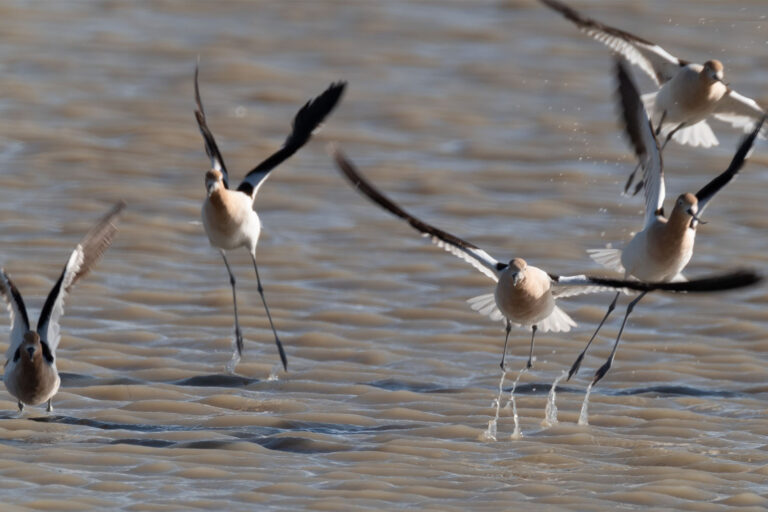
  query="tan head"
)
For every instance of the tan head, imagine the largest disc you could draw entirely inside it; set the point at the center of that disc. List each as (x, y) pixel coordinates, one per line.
(214, 180)
(713, 71)
(31, 349)
(518, 266)
(688, 205)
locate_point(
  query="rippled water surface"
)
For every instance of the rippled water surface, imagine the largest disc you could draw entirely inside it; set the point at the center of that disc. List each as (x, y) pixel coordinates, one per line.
(494, 120)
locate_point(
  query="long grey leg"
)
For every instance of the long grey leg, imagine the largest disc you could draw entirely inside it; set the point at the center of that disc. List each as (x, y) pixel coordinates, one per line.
(238, 333)
(283, 358)
(530, 352)
(632, 179)
(600, 373)
(50, 406)
(576, 364)
(20, 405)
(506, 339)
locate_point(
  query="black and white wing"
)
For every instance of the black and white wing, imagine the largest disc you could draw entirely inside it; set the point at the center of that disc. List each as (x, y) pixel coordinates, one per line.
(211, 149)
(470, 253)
(17, 312)
(709, 190)
(716, 283)
(82, 259)
(740, 111)
(639, 130)
(304, 123)
(569, 286)
(659, 64)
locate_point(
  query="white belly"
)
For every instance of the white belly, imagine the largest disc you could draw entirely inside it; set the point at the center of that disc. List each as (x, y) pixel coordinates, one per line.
(234, 227)
(641, 263)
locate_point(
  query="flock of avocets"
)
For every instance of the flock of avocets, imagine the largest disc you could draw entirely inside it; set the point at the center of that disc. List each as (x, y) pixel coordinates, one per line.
(525, 296)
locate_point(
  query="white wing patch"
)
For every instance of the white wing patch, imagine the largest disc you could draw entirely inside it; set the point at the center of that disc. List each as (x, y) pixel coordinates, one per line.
(741, 112)
(609, 258)
(478, 258)
(628, 50)
(17, 313)
(53, 334)
(568, 286)
(486, 306)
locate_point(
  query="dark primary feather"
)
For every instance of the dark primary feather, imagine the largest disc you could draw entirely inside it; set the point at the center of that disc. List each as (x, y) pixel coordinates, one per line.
(461, 248)
(94, 243)
(631, 109)
(653, 59)
(304, 123)
(640, 132)
(717, 283)
(713, 187)
(588, 23)
(211, 149)
(13, 298)
(366, 188)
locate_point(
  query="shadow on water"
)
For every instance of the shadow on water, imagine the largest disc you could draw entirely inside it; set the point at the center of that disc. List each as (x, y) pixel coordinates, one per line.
(675, 390)
(534, 388)
(292, 444)
(103, 425)
(341, 437)
(416, 387)
(219, 380)
(77, 380)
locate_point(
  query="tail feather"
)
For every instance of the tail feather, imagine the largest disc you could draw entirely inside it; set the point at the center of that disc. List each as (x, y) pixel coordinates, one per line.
(700, 134)
(557, 321)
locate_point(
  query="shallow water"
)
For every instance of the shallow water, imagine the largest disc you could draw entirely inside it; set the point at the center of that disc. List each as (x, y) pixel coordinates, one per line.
(494, 120)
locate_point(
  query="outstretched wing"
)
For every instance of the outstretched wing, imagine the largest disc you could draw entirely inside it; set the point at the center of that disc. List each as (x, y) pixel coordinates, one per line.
(470, 253)
(304, 123)
(659, 64)
(638, 128)
(211, 149)
(568, 286)
(709, 190)
(85, 255)
(740, 111)
(17, 312)
(715, 283)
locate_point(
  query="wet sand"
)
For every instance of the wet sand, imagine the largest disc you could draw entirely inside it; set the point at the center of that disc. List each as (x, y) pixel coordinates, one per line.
(494, 120)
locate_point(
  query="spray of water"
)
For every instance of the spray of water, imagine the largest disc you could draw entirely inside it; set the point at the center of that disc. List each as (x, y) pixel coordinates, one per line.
(274, 373)
(232, 364)
(584, 414)
(490, 433)
(516, 433)
(550, 412)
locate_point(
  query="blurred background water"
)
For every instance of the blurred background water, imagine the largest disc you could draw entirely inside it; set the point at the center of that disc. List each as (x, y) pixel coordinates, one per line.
(494, 120)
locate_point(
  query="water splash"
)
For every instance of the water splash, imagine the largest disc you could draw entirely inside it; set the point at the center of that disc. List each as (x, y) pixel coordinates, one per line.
(274, 373)
(516, 433)
(550, 412)
(490, 433)
(232, 364)
(584, 415)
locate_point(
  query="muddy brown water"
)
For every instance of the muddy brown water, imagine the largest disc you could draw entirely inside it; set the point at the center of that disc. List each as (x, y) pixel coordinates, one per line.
(494, 120)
